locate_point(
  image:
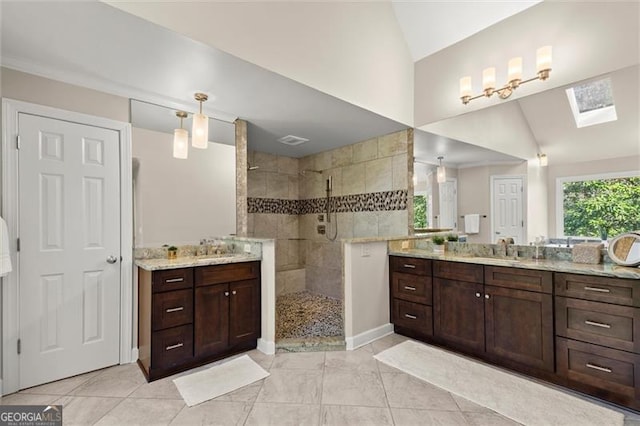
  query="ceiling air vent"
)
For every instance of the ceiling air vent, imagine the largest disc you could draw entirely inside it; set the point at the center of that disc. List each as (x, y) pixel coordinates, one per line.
(292, 140)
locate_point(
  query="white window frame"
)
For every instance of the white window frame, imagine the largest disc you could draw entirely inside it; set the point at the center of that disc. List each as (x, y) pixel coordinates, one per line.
(560, 181)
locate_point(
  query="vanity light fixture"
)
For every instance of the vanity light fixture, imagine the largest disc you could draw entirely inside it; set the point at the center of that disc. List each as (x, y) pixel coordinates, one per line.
(543, 160)
(200, 129)
(514, 71)
(441, 173)
(180, 139)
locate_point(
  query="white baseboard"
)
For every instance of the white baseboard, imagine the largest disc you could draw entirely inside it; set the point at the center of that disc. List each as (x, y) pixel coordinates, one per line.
(368, 336)
(266, 347)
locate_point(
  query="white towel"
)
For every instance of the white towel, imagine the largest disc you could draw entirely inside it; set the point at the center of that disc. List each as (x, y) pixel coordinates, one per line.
(5, 257)
(472, 223)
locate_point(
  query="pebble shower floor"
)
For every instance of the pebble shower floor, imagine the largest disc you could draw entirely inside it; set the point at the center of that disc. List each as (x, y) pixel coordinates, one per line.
(301, 315)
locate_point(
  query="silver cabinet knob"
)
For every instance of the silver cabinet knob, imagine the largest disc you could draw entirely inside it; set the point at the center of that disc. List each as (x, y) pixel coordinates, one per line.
(478, 294)
(486, 296)
(233, 292)
(112, 259)
(226, 293)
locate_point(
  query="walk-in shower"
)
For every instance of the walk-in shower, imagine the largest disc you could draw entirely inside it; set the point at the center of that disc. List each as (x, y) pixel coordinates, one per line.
(295, 206)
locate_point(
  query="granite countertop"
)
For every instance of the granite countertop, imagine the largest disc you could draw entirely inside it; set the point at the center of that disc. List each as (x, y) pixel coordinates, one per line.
(603, 269)
(190, 261)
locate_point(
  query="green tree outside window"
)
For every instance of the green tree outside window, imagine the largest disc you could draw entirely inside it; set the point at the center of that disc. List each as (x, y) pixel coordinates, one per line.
(601, 208)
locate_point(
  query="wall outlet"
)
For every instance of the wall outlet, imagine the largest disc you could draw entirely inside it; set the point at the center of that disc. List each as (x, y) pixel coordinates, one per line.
(365, 250)
(320, 218)
(247, 248)
(322, 229)
(405, 245)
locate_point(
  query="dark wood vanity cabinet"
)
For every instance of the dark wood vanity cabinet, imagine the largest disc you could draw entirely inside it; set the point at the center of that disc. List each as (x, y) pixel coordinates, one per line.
(501, 314)
(191, 316)
(227, 311)
(411, 295)
(519, 316)
(458, 305)
(579, 331)
(598, 336)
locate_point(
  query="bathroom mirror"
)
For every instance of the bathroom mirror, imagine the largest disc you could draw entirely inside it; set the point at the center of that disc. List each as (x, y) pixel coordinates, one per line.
(545, 119)
(180, 201)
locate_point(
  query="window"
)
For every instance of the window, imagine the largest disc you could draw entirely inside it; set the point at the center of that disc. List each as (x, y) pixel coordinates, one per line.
(598, 206)
(592, 103)
(419, 212)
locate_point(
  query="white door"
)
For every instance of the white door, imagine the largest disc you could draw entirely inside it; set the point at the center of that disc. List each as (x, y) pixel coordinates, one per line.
(507, 209)
(448, 192)
(69, 227)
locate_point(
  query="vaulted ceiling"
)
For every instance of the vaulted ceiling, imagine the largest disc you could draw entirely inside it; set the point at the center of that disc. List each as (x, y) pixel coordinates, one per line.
(337, 72)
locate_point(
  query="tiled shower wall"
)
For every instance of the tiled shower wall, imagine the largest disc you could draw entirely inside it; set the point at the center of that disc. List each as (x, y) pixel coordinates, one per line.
(376, 170)
(275, 182)
(370, 194)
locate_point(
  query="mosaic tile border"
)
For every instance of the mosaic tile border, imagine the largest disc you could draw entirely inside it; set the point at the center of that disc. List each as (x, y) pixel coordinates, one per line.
(371, 202)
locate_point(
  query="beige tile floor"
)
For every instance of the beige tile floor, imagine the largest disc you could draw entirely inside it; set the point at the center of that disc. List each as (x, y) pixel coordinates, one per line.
(304, 388)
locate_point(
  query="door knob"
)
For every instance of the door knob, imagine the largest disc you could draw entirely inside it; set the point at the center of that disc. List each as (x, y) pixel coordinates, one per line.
(112, 259)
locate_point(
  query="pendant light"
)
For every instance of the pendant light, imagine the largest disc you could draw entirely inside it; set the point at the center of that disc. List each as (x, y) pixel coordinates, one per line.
(200, 130)
(180, 139)
(441, 173)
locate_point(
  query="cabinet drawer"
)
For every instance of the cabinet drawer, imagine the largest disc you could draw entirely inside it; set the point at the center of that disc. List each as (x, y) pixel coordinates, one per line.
(600, 323)
(172, 308)
(410, 265)
(603, 368)
(413, 288)
(599, 289)
(172, 279)
(519, 279)
(172, 347)
(413, 316)
(458, 271)
(217, 274)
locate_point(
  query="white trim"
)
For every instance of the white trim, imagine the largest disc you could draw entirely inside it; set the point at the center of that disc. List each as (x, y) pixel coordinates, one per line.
(368, 336)
(10, 296)
(525, 209)
(266, 347)
(559, 192)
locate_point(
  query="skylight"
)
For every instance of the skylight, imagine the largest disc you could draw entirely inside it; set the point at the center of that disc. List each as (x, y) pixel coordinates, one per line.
(592, 103)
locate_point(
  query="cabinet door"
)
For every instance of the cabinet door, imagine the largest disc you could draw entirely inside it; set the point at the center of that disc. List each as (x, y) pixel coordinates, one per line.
(211, 325)
(519, 326)
(244, 315)
(458, 308)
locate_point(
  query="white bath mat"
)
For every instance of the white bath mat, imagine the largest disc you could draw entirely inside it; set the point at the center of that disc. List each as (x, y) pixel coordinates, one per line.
(218, 380)
(522, 400)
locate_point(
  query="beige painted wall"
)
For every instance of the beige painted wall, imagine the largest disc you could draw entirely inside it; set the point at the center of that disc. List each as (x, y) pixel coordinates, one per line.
(182, 201)
(43, 91)
(341, 48)
(615, 165)
(609, 29)
(537, 201)
(474, 195)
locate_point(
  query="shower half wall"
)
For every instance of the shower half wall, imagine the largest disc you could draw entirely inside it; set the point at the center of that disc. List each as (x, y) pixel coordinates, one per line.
(286, 196)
